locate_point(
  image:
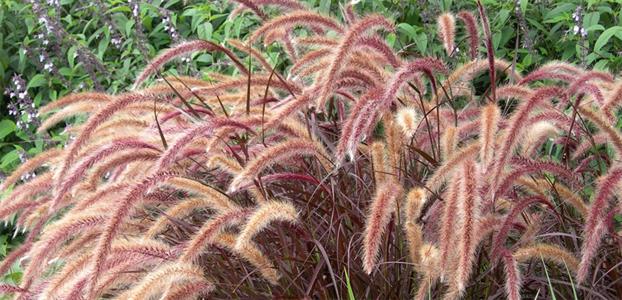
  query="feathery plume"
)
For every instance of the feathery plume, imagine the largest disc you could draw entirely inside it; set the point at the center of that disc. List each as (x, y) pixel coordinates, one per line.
(188, 290)
(294, 19)
(276, 153)
(11, 289)
(532, 228)
(202, 129)
(26, 190)
(394, 145)
(412, 210)
(429, 267)
(426, 65)
(253, 7)
(345, 47)
(468, 206)
(16, 207)
(48, 157)
(490, 119)
(512, 276)
(153, 283)
(210, 230)
(526, 166)
(117, 160)
(239, 45)
(382, 207)
(429, 260)
(546, 73)
(65, 113)
(122, 252)
(468, 71)
(212, 197)
(100, 196)
(572, 198)
(535, 136)
(18, 253)
(78, 172)
(449, 142)
(13, 256)
(613, 100)
(95, 121)
(251, 253)
(449, 166)
(584, 88)
(365, 114)
(379, 46)
(228, 165)
(179, 211)
(471, 26)
(378, 156)
(486, 225)
(265, 214)
(54, 236)
(316, 41)
(121, 211)
(612, 133)
(351, 130)
(446, 24)
(448, 236)
(309, 59)
(181, 49)
(89, 97)
(516, 127)
(502, 233)
(550, 252)
(596, 219)
(408, 119)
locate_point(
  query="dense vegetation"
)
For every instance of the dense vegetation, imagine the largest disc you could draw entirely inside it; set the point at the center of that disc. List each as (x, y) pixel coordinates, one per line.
(426, 150)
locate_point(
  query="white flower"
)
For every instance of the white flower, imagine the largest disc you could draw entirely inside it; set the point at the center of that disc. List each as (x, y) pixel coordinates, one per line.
(48, 67)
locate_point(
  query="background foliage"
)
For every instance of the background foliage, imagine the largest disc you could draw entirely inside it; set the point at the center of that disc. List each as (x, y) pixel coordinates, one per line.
(59, 47)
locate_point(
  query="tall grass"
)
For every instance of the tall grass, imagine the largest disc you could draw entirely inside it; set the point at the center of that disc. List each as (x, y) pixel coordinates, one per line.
(408, 173)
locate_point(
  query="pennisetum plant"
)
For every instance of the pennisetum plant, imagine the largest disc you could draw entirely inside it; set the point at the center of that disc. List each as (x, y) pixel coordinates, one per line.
(269, 182)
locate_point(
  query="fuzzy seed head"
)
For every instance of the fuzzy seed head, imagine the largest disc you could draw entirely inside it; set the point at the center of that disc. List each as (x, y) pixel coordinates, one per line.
(408, 119)
(447, 31)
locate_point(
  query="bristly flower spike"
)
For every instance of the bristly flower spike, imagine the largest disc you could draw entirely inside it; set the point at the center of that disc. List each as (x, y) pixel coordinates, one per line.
(469, 211)
(415, 200)
(266, 213)
(382, 207)
(596, 220)
(446, 24)
(470, 22)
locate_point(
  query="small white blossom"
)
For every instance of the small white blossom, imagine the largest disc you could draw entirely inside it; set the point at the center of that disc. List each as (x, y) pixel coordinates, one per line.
(48, 67)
